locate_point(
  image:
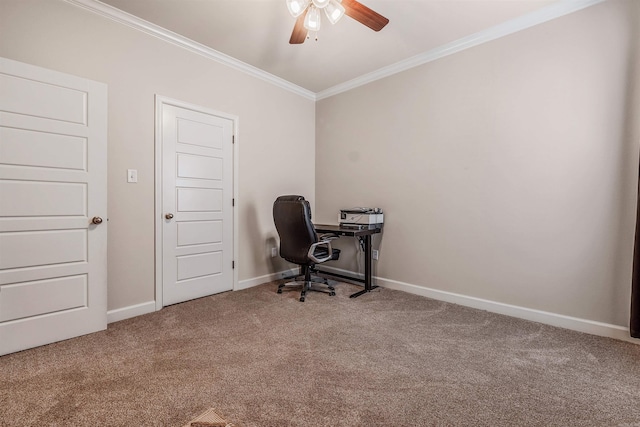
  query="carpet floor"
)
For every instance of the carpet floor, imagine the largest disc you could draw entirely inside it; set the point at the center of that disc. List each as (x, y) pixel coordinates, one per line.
(388, 358)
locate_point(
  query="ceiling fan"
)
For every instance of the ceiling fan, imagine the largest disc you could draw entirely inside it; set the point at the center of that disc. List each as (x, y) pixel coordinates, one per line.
(309, 14)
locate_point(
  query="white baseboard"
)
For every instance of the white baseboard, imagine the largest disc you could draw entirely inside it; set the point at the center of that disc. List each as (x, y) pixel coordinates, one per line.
(547, 318)
(150, 306)
(130, 311)
(249, 283)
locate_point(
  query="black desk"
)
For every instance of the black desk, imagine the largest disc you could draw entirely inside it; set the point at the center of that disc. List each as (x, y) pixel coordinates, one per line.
(366, 233)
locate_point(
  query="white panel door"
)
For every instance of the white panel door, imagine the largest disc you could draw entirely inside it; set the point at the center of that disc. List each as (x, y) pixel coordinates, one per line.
(197, 191)
(53, 183)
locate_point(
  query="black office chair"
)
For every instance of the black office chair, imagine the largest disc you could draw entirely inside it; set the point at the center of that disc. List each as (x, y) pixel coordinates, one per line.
(299, 242)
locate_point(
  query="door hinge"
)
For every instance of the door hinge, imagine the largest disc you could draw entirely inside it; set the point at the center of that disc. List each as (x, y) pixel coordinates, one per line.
(233, 264)
(233, 139)
(233, 201)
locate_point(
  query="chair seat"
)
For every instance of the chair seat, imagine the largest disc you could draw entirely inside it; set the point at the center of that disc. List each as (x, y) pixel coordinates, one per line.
(321, 252)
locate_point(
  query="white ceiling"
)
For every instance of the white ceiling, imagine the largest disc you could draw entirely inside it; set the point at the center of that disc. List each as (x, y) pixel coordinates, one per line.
(257, 32)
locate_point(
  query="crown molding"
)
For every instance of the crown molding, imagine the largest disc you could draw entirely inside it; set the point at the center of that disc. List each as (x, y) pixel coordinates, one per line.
(181, 41)
(545, 14)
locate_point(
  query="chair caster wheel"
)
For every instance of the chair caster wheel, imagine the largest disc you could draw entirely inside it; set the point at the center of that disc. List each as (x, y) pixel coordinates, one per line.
(279, 291)
(301, 299)
(332, 294)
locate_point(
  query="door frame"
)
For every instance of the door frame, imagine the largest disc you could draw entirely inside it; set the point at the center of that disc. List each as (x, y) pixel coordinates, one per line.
(160, 102)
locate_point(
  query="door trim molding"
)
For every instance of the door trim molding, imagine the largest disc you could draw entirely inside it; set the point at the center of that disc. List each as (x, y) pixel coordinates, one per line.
(160, 102)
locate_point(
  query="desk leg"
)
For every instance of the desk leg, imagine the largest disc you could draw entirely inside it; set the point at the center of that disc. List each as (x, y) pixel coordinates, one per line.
(368, 286)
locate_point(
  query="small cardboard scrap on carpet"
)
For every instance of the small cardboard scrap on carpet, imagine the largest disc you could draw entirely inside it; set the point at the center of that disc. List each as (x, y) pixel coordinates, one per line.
(210, 418)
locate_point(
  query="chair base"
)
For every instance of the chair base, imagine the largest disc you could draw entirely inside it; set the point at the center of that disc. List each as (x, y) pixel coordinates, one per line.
(306, 285)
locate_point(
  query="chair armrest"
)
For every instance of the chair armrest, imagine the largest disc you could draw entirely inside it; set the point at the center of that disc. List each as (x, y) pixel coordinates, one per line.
(312, 251)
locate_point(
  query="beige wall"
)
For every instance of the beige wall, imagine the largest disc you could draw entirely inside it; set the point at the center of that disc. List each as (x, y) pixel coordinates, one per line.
(506, 172)
(276, 133)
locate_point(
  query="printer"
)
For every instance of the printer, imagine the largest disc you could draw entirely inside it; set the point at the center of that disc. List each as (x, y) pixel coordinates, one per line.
(360, 217)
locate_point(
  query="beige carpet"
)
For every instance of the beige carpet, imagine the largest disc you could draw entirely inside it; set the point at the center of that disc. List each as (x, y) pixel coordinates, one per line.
(385, 359)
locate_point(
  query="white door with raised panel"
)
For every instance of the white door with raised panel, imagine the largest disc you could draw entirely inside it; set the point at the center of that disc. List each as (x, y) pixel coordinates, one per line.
(197, 203)
(53, 206)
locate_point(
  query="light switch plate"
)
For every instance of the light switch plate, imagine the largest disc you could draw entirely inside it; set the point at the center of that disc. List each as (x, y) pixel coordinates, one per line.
(132, 175)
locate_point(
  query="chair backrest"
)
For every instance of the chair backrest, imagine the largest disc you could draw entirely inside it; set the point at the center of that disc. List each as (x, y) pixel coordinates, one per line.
(292, 217)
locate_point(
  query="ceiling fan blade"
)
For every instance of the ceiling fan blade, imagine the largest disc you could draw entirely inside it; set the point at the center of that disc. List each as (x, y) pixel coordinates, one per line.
(299, 33)
(364, 15)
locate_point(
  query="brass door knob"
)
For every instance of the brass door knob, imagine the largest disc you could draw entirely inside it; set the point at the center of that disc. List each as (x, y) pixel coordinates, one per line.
(96, 220)
(169, 216)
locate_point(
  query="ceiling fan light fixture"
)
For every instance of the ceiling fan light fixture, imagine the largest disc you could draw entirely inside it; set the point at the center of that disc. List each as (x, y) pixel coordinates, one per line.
(334, 11)
(309, 16)
(320, 4)
(296, 7)
(312, 20)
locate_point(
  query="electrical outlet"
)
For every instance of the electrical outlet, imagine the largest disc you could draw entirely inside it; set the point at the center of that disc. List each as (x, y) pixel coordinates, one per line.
(375, 254)
(274, 252)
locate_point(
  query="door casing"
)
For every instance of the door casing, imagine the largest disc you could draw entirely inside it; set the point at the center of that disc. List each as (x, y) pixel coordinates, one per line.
(161, 101)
